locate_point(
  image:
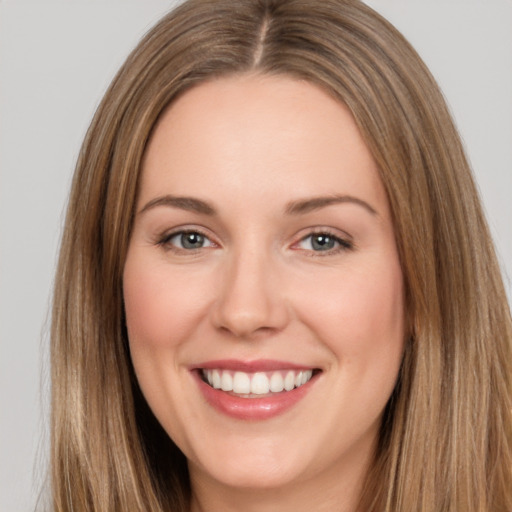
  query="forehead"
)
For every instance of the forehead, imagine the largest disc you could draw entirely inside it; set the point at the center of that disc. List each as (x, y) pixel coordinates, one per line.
(242, 132)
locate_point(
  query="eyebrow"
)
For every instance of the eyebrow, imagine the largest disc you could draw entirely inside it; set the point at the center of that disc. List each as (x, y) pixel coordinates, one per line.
(302, 206)
(297, 207)
(190, 204)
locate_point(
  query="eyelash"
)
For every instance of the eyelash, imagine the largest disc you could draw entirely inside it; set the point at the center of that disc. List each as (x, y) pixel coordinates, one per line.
(342, 244)
(165, 240)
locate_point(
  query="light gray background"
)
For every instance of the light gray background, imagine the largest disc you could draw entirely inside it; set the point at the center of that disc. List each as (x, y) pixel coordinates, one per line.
(56, 59)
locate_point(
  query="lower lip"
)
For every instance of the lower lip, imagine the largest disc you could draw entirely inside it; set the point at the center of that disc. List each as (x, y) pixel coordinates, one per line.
(255, 409)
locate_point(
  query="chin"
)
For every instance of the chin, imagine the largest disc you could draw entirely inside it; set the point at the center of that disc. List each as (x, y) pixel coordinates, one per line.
(257, 470)
(241, 476)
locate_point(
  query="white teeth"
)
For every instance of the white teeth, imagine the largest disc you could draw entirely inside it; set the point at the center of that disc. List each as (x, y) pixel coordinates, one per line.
(216, 380)
(241, 383)
(306, 376)
(226, 382)
(289, 381)
(276, 382)
(259, 383)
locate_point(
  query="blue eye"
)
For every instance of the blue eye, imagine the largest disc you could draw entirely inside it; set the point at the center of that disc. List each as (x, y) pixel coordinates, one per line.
(323, 242)
(187, 240)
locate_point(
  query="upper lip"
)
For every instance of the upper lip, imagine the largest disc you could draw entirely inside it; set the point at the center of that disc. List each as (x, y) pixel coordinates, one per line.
(257, 365)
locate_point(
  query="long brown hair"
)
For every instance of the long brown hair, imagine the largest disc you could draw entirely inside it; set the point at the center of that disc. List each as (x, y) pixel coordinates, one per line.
(446, 436)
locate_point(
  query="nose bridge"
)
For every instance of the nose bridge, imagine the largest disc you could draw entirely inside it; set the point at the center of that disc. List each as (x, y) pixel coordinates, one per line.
(250, 298)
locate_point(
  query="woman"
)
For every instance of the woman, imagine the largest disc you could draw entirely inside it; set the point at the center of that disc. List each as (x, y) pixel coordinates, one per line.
(273, 193)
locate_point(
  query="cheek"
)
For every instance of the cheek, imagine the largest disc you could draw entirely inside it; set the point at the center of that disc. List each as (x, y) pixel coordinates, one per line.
(363, 327)
(161, 306)
(360, 314)
(161, 311)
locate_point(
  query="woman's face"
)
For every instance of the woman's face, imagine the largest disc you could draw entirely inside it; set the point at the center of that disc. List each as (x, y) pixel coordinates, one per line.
(263, 260)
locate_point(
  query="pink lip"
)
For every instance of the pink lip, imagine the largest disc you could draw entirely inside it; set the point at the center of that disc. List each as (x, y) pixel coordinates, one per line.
(255, 409)
(258, 365)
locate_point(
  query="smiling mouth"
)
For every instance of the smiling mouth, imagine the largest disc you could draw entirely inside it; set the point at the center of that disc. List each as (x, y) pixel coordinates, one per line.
(256, 384)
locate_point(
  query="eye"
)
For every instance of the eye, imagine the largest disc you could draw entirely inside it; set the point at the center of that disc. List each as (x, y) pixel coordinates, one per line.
(323, 242)
(187, 240)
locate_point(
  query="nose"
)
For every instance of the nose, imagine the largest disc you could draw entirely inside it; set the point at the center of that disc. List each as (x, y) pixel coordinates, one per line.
(251, 301)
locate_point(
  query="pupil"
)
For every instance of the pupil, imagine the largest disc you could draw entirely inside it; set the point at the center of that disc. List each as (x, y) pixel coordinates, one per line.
(322, 242)
(192, 240)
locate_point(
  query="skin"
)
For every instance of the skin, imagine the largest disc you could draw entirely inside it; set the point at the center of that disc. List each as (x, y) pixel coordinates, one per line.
(258, 288)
